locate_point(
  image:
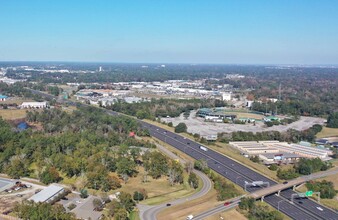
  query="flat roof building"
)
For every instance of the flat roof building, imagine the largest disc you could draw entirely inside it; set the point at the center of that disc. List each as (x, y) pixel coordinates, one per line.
(47, 194)
(34, 105)
(6, 184)
(281, 157)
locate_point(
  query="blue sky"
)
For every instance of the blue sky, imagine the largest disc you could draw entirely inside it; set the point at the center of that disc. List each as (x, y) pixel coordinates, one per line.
(182, 31)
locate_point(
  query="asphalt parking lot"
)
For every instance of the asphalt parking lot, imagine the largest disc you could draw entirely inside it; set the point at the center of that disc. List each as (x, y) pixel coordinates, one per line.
(199, 126)
(5, 184)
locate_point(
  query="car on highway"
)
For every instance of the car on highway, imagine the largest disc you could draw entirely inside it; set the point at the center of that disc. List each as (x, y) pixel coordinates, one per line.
(286, 182)
(189, 217)
(168, 204)
(227, 203)
(319, 208)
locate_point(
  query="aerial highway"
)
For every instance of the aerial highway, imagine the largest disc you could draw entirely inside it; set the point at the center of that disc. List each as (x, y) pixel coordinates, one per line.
(238, 173)
(234, 171)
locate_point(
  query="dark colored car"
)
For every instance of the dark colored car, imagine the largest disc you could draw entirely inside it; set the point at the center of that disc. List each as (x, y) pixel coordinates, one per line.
(286, 182)
(168, 204)
(227, 203)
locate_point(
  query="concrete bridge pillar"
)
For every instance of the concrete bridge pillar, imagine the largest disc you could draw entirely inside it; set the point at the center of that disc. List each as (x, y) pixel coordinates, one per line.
(262, 199)
(294, 187)
(278, 192)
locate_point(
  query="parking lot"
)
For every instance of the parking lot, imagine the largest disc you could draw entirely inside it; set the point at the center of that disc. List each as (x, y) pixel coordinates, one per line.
(199, 126)
(14, 193)
(5, 184)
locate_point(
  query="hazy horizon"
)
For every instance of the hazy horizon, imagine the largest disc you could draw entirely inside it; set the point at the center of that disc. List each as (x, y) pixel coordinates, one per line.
(186, 32)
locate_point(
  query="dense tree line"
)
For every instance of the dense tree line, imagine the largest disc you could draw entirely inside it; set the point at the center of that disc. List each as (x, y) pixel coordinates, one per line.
(86, 141)
(18, 89)
(29, 210)
(257, 211)
(293, 107)
(304, 91)
(332, 121)
(304, 167)
(163, 107)
(326, 188)
(290, 135)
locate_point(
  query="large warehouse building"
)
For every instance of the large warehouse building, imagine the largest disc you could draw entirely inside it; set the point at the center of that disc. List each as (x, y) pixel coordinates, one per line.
(275, 151)
(48, 194)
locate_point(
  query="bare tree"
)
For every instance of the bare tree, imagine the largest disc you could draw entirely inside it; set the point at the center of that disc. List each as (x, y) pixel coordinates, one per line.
(189, 167)
(125, 178)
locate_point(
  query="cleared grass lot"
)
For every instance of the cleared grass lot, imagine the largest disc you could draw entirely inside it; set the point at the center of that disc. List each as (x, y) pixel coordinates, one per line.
(159, 190)
(328, 132)
(193, 207)
(12, 114)
(231, 214)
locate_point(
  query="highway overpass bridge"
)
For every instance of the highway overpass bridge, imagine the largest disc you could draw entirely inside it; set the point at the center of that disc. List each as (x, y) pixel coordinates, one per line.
(277, 188)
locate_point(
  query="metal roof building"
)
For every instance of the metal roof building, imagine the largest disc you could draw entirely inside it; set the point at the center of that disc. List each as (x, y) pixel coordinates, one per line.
(47, 194)
(6, 184)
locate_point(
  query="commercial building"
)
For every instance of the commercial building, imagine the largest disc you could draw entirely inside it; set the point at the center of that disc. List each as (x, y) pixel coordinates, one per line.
(279, 158)
(226, 96)
(204, 112)
(253, 147)
(36, 105)
(277, 152)
(48, 194)
(304, 151)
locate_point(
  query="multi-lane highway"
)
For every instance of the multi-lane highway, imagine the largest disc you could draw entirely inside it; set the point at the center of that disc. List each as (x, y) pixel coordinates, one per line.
(237, 173)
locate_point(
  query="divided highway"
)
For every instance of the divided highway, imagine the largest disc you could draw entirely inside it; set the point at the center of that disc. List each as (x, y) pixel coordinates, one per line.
(234, 171)
(239, 173)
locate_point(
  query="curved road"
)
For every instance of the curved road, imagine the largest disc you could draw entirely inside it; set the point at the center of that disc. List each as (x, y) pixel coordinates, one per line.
(150, 212)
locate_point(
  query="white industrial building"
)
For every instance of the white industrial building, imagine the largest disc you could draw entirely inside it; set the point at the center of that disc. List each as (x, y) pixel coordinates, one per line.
(34, 105)
(304, 151)
(253, 147)
(284, 157)
(226, 96)
(47, 194)
(268, 151)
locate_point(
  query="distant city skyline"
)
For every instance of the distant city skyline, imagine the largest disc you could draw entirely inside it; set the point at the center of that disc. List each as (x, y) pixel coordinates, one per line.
(175, 31)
